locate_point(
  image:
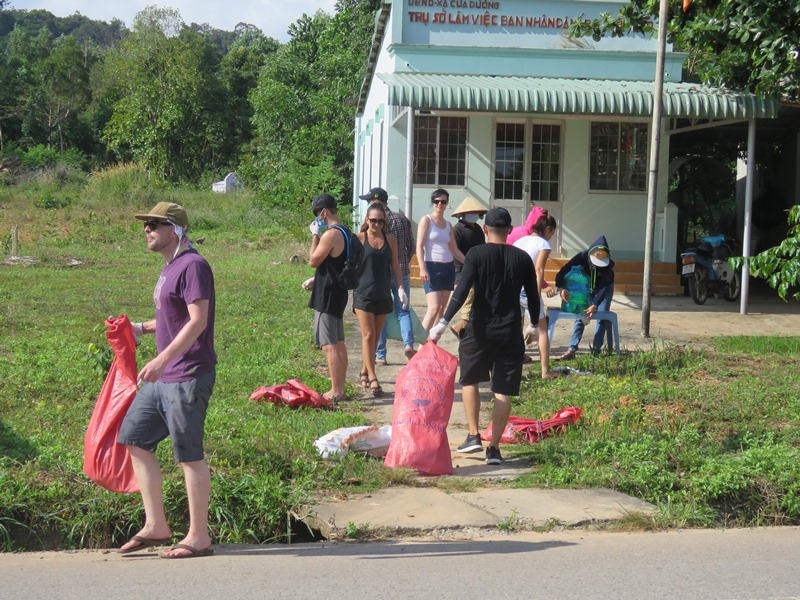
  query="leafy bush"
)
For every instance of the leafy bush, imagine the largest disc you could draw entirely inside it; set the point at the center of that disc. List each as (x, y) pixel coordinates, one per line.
(779, 266)
(54, 202)
(40, 156)
(123, 183)
(289, 184)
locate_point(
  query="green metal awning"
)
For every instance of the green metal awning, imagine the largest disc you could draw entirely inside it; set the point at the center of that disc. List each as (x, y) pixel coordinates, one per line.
(488, 93)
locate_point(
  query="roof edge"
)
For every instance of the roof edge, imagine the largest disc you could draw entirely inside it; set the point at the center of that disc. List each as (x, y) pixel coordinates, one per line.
(377, 41)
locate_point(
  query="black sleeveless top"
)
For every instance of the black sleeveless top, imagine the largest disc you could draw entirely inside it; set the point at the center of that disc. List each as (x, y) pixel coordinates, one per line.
(327, 296)
(374, 283)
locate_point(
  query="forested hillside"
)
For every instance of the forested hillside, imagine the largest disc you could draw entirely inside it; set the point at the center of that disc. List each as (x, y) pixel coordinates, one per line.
(186, 101)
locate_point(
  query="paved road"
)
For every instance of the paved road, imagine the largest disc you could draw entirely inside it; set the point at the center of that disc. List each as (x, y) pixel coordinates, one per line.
(732, 564)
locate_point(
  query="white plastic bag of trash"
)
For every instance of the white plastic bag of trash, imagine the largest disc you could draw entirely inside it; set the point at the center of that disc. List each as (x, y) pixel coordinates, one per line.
(363, 438)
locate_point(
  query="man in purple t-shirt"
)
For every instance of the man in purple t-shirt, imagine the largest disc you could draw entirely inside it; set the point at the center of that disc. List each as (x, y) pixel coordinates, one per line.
(176, 385)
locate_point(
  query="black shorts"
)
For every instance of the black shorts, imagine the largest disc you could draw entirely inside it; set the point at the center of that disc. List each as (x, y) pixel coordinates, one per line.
(497, 360)
(382, 306)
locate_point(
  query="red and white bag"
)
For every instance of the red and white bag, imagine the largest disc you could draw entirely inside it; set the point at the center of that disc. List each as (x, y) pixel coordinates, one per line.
(423, 400)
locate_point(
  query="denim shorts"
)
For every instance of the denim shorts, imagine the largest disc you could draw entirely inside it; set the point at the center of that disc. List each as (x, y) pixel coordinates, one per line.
(442, 277)
(174, 410)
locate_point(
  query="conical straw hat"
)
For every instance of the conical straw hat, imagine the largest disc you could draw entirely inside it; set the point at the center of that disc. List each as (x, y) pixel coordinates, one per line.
(470, 205)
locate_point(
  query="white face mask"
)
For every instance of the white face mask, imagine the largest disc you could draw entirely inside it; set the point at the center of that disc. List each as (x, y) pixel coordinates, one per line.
(471, 218)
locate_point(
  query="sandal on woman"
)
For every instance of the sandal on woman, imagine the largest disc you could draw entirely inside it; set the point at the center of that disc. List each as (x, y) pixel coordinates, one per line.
(376, 389)
(334, 400)
(550, 375)
(364, 379)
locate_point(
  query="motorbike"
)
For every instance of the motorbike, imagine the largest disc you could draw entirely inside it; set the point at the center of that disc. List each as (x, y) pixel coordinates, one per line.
(707, 270)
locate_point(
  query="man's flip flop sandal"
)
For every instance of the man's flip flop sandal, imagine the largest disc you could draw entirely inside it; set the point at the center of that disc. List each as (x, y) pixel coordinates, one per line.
(144, 542)
(193, 552)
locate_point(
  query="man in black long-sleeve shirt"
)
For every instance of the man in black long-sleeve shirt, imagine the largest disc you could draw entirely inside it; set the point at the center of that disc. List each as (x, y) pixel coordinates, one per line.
(493, 346)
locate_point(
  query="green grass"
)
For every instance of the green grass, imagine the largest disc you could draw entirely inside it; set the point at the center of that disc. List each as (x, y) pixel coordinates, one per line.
(711, 437)
(262, 456)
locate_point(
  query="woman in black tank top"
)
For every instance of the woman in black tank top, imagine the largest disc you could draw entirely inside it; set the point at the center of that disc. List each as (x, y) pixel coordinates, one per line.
(372, 299)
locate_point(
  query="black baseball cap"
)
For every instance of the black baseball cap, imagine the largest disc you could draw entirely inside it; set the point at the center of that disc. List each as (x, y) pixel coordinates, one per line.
(376, 193)
(323, 201)
(497, 217)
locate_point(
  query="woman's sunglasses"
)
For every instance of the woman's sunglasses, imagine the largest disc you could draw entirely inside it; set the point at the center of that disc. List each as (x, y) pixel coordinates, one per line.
(153, 225)
(377, 221)
(441, 202)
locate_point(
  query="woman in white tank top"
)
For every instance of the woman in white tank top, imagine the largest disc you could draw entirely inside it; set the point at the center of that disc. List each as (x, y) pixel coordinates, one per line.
(436, 248)
(537, 245)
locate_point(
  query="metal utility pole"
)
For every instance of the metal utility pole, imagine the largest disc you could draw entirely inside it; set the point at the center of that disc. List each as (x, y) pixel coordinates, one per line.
(748, 215)
(409, 206)
(652, 183)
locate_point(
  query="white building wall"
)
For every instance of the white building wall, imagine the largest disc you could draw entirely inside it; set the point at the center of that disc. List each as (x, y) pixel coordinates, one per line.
(382, 161)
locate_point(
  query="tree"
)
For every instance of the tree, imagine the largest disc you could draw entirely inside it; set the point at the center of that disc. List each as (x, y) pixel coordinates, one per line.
(170, 107)
(239, 71)
(749, 45)
(63, 88)
(303, 106)
(780, 266)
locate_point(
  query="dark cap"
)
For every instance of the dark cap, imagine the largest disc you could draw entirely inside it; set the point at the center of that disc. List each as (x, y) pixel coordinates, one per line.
(376, 193)
(497, 217)
(323, 201)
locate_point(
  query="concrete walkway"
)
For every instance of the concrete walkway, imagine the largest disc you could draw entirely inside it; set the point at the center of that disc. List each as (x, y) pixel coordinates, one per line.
(673, 320)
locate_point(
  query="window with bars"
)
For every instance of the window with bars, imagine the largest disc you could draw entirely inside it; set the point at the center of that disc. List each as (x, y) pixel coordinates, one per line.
(440, 150)
(618, 157)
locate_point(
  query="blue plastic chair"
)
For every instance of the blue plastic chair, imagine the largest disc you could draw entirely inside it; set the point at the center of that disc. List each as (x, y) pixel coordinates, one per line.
(601, 315)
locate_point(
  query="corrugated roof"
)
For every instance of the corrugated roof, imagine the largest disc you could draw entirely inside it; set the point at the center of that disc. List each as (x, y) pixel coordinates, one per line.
(570, 96)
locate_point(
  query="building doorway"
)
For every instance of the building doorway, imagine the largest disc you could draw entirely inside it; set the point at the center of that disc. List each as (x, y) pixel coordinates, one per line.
(528, 169)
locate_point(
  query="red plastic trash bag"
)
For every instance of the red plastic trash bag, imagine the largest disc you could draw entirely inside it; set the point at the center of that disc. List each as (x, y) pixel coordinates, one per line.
(520, 429)
(423, 400)
(106, 462)
(294, 393)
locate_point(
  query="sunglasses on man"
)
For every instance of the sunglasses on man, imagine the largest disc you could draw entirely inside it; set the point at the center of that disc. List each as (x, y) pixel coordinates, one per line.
(153, 225)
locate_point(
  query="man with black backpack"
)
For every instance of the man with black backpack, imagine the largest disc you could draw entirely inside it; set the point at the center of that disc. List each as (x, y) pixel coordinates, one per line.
(328, 255)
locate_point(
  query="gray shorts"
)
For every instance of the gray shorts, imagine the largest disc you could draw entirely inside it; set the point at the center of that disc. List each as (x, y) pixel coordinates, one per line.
(328, 330)
(174, 410)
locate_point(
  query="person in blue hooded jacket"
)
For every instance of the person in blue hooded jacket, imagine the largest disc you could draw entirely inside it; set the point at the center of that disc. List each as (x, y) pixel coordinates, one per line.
(597, 263)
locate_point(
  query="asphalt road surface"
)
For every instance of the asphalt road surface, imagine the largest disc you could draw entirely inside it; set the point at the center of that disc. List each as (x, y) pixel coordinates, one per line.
(704, 564)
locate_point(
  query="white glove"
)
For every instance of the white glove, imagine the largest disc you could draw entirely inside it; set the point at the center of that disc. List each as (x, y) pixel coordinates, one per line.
(138, 332)
(437, 330)
(314, 227)
(308, 283)
(531, 334)
(403, 297)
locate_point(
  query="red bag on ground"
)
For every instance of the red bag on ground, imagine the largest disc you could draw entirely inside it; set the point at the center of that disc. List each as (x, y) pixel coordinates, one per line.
(520, 429)
(106, 462)
(423, 400)
(294, 393)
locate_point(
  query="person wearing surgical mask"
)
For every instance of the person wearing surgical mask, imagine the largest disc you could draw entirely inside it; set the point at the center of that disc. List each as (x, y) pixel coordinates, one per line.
(468, 234)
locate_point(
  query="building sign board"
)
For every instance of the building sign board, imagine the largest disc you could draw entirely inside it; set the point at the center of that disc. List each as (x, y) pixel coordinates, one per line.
(509, 23)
